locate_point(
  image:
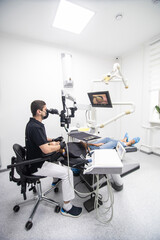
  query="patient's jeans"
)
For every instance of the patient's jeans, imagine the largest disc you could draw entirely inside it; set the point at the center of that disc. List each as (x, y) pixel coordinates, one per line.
(54, 170)
(109, 143)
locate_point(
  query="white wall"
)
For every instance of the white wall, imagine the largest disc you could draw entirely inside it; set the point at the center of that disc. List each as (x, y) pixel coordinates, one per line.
(136, 68)
(30, 71)
(132, 67)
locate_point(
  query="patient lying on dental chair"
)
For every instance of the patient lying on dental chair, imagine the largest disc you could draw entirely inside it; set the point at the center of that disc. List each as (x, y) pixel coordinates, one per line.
(106, 143)
(109, 143)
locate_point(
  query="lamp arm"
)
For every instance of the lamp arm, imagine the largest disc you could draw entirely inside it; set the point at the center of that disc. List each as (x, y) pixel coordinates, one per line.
(119, 115)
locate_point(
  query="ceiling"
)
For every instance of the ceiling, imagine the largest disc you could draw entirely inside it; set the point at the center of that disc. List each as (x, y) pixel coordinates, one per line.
(104, 35)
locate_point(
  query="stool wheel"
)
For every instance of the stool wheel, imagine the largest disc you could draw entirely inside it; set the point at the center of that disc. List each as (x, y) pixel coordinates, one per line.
(34, 190)
(57, 209)
(28, 225)
(56, 190)
(16, 208)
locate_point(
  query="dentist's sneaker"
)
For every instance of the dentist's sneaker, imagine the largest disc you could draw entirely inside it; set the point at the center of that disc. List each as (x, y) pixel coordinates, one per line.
(73, 212)
(56, 182)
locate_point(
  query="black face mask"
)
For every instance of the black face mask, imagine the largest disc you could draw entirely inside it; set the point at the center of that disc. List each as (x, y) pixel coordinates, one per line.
(47, 114)
(51, 111)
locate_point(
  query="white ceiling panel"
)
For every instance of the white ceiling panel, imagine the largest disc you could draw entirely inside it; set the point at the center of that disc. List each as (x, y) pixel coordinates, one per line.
(104, 35)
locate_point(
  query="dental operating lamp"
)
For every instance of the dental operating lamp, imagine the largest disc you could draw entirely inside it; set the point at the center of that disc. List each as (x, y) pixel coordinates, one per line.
(114, 76)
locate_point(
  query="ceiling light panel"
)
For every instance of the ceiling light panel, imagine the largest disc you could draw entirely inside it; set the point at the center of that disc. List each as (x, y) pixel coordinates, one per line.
(71, 17)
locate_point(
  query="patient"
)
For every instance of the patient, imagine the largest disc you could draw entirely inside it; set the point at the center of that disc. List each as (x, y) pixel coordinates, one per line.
(109, 143)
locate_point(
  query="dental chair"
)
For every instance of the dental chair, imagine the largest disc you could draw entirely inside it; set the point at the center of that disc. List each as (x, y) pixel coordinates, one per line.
(128, 167)
(29, 182)
(116, 181)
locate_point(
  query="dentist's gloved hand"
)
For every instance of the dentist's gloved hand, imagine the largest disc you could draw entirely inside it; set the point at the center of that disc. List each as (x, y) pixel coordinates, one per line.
(58, 139)
(62, 145)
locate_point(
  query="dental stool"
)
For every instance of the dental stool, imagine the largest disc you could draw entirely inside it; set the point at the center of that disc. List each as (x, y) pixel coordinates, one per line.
(25, 180)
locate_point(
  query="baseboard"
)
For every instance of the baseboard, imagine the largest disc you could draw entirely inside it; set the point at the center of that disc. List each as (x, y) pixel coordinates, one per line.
(157, 154)
(146, 152)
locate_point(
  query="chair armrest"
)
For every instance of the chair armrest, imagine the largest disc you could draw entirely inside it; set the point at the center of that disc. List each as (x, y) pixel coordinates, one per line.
(26, 162)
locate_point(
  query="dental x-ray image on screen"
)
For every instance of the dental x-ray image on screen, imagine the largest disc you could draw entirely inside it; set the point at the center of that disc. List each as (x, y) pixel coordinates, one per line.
(100, 99)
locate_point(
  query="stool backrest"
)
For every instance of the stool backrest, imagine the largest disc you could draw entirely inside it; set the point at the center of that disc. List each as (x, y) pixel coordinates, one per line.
(20, 156)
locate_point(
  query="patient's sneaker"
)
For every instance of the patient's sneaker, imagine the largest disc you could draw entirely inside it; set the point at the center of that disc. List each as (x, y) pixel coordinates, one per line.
(126, 136)
(136, 139)
(133, 141)
(73, 212)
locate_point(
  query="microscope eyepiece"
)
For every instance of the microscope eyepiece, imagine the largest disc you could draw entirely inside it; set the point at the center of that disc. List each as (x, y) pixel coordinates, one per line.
(53, 111)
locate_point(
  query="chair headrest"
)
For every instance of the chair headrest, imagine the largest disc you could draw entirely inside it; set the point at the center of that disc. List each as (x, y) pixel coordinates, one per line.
(131, 149)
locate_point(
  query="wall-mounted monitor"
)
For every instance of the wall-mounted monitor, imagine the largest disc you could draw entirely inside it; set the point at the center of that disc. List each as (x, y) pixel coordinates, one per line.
(100, 99)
